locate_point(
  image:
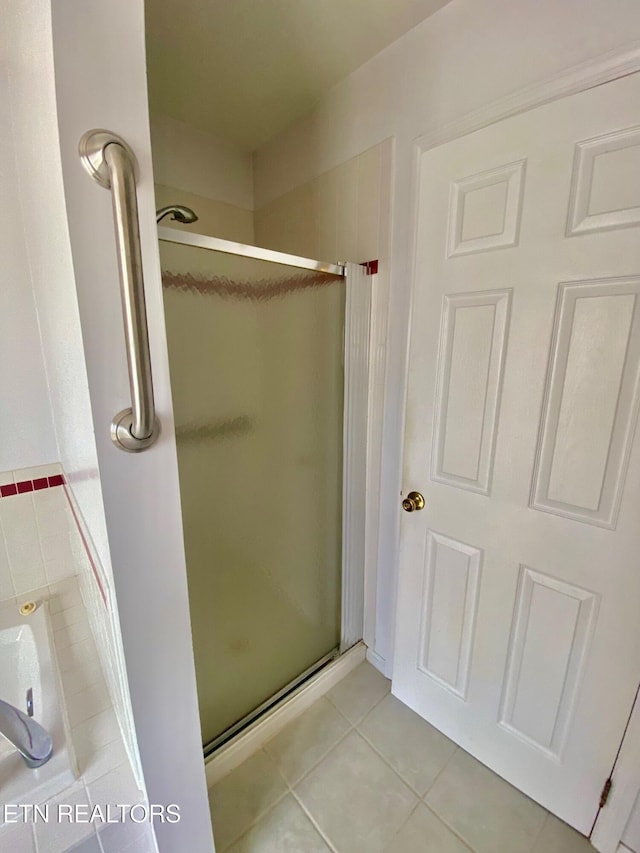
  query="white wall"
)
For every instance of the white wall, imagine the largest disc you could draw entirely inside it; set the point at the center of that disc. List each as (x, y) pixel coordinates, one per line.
(26, 426)
(100, 81)
(198, 162)
(467, 55)
(207, 174)
(31, 97)
(336, 215)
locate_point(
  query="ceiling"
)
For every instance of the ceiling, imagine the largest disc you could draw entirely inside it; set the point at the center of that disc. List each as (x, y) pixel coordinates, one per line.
(246, 69)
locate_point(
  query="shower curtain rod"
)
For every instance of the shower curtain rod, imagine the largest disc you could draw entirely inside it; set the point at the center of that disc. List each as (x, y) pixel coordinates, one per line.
(201, 241)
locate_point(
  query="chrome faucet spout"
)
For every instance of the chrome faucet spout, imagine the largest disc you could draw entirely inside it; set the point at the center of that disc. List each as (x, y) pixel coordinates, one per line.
(32, 740)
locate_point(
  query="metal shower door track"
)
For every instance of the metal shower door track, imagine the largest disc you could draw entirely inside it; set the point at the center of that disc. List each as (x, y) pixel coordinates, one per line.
(269, 704)
(201, 241)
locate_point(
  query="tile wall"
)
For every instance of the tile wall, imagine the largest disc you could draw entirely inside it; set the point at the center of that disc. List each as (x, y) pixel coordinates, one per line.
(102, 613)
(46, 552)
(106, 776)
(36, 530)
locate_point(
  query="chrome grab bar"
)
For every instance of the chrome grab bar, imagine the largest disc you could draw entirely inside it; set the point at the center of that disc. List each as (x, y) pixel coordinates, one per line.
(112, 164)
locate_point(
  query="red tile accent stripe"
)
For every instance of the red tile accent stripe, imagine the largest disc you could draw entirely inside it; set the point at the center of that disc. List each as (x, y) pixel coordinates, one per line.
(94, 568)
(36, 485)
(24, 486)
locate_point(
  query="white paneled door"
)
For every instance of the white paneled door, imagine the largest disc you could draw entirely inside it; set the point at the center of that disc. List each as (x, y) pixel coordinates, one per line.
(517, 630)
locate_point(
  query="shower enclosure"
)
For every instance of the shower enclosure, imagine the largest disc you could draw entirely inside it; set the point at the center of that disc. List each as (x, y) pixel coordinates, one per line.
(256, 345)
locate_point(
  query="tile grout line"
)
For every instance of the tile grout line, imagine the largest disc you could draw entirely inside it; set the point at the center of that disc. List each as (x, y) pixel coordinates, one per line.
(315, 766)
(82, 617)
(369, 710)
(353, 728)
(39, 529)
(290, 789)
(288, 786)
(443, 820)
(82, 642)
(439, 817)
(262, 814)
(297, 797)
(388, 764)
(356, 728)
(69, 693)
(451, 829)
(403, 824)
(254, 822)
(421, 798)
(123, 763)
(439, 774)
(313, 822)
(3, 543)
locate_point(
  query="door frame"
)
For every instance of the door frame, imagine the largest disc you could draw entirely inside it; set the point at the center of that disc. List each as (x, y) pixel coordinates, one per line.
(357, 380)
(356, 496)
(611, 821)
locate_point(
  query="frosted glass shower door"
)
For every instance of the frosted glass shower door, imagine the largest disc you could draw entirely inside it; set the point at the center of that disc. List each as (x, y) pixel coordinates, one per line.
(255, 353)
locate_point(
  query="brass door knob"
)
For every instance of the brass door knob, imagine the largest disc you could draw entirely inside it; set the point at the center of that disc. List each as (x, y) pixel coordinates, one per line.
(413, 501)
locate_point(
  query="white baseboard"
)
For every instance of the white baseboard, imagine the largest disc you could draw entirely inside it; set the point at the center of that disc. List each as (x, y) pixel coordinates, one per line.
(376, 660)
(244, 744)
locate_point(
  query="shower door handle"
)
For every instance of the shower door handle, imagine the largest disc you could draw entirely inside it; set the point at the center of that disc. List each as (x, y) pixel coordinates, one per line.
(112, 164)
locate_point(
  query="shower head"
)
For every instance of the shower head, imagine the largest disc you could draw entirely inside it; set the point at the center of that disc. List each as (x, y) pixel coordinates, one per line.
(179, 212)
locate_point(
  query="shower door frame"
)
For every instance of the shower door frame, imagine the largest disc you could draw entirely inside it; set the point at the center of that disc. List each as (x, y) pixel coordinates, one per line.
(357, 326)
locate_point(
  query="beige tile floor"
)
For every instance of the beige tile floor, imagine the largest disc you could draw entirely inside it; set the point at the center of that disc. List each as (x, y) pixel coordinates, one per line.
(359, 772)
